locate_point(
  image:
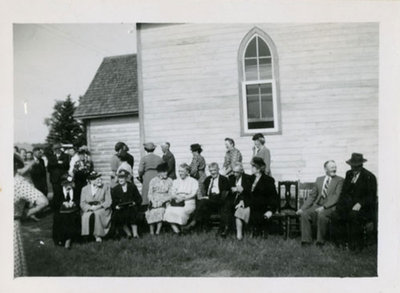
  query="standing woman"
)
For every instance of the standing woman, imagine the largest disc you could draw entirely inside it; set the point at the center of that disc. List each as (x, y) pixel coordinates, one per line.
(183, 199)
(264, 199)
(261, 151)
(126, 201)
(81, 170)
(23, 193)
(158, 196)
(96, 202)
(148, 169)
(198, 167)
(66, 219)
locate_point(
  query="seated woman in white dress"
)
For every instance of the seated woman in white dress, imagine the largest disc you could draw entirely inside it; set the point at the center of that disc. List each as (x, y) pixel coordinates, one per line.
(183, 199)
(96, 202)
(159, 188)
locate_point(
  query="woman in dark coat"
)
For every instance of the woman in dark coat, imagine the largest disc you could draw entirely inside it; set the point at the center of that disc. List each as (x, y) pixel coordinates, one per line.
(82, 169)
(67, 219)
(264, 199)
(126, 201)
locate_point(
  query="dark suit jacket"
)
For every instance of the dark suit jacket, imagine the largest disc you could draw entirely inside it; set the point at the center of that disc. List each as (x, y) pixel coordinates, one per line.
(119, 197)
(333, 193)
(245, 195)
(55, 169)
(169, 158)
(39, 176)
(364, 192)
(264, 196)
(223, 185)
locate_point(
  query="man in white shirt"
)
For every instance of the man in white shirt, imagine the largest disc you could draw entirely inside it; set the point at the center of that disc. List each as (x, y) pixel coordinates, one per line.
(320, 204)
(216, 201)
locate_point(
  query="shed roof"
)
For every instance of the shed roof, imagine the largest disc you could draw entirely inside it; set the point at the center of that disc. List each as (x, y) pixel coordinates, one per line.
(113, 90)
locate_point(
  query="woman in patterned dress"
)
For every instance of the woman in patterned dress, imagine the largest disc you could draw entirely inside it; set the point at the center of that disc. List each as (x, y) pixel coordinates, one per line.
(183, 199)
(23, 193)
(158, 196)
(197, 168)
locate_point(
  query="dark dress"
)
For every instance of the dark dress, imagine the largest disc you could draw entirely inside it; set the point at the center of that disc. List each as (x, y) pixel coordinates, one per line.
(263, 198)
(39, 176)
(129, 213)
(82, 170)
(66, 223)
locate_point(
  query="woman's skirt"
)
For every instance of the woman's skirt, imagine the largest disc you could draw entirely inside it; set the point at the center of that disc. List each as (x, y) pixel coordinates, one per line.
(179, 215)
(66, 226)
(126, 216)
(155, 215)
(20, 268)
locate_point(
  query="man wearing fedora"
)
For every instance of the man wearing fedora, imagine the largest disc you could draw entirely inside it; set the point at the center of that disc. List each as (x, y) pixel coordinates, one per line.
(356, 205)
(58, 165)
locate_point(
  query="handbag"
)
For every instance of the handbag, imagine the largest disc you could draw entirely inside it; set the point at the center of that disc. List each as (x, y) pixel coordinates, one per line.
(174, 203)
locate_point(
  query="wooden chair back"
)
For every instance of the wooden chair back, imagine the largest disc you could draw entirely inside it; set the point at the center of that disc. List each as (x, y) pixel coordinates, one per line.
(289, 195)
(304, 191)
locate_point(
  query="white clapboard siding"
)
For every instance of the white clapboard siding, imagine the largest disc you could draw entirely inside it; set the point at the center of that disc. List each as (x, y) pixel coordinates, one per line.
(104, 133)
(328, 76)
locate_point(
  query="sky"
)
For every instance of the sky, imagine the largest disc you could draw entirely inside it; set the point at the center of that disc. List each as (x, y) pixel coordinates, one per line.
(52, 61)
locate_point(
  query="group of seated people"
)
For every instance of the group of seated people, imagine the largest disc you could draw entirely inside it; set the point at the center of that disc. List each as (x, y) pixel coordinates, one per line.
(240, 200)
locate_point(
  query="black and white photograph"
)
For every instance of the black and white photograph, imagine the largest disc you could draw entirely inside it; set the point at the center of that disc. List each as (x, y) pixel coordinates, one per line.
(201, 149)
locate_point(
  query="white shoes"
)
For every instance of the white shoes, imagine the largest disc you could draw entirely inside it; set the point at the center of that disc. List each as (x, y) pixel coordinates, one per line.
(99, 240)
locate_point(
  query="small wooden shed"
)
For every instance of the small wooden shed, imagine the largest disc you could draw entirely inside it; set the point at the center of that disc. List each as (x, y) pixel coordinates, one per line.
(109, 110)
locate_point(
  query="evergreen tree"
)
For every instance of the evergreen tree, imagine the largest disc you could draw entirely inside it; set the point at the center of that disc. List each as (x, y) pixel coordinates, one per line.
(63, 127)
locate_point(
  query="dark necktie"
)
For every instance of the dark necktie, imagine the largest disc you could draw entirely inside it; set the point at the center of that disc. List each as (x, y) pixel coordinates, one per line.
(68, 198)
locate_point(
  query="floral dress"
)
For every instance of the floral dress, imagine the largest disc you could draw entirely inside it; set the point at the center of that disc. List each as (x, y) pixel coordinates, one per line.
(158, 195)
(24, 193)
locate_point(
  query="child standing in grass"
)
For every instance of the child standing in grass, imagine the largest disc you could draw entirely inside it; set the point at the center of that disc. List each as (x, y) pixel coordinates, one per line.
(159, 188)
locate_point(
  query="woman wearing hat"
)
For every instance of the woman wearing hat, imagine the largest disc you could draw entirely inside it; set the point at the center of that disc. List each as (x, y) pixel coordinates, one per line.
(261, 151)
(66, 219)
(197, 167)
(126, 201)
(264, 199)
(96, 202)
(158, 196)
(148, 169)
(23, 193)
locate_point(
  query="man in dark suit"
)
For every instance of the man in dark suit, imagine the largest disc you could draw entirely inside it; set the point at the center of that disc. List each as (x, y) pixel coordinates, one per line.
(38, 171)
(216, 200)
(356, 205)
(169, 158)
(58, 166)
(240, 184)
(320, 205)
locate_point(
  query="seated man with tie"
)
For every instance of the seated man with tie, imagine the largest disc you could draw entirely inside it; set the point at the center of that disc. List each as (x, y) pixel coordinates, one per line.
(216, 200)
(356, 205)
(320, 205)
(240, 184)
(66, 219)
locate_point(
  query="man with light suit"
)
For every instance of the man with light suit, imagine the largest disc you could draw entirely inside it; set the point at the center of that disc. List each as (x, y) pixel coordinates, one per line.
(320, 205)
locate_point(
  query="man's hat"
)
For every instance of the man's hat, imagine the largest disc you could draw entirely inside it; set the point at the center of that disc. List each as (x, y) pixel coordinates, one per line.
(149, 146)
(66, 180)
(356, 159)
(57, 146)
(258, 162)
(94, 175)
(123, 174)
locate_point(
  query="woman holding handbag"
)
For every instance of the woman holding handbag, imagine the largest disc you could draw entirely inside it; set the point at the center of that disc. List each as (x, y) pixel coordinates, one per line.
(183, 199)
(158, 197)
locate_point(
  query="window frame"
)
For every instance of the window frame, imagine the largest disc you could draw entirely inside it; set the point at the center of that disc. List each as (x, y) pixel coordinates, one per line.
(277, 129)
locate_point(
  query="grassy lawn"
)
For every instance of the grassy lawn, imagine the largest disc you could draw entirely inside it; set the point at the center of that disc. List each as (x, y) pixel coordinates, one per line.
(196, 255)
